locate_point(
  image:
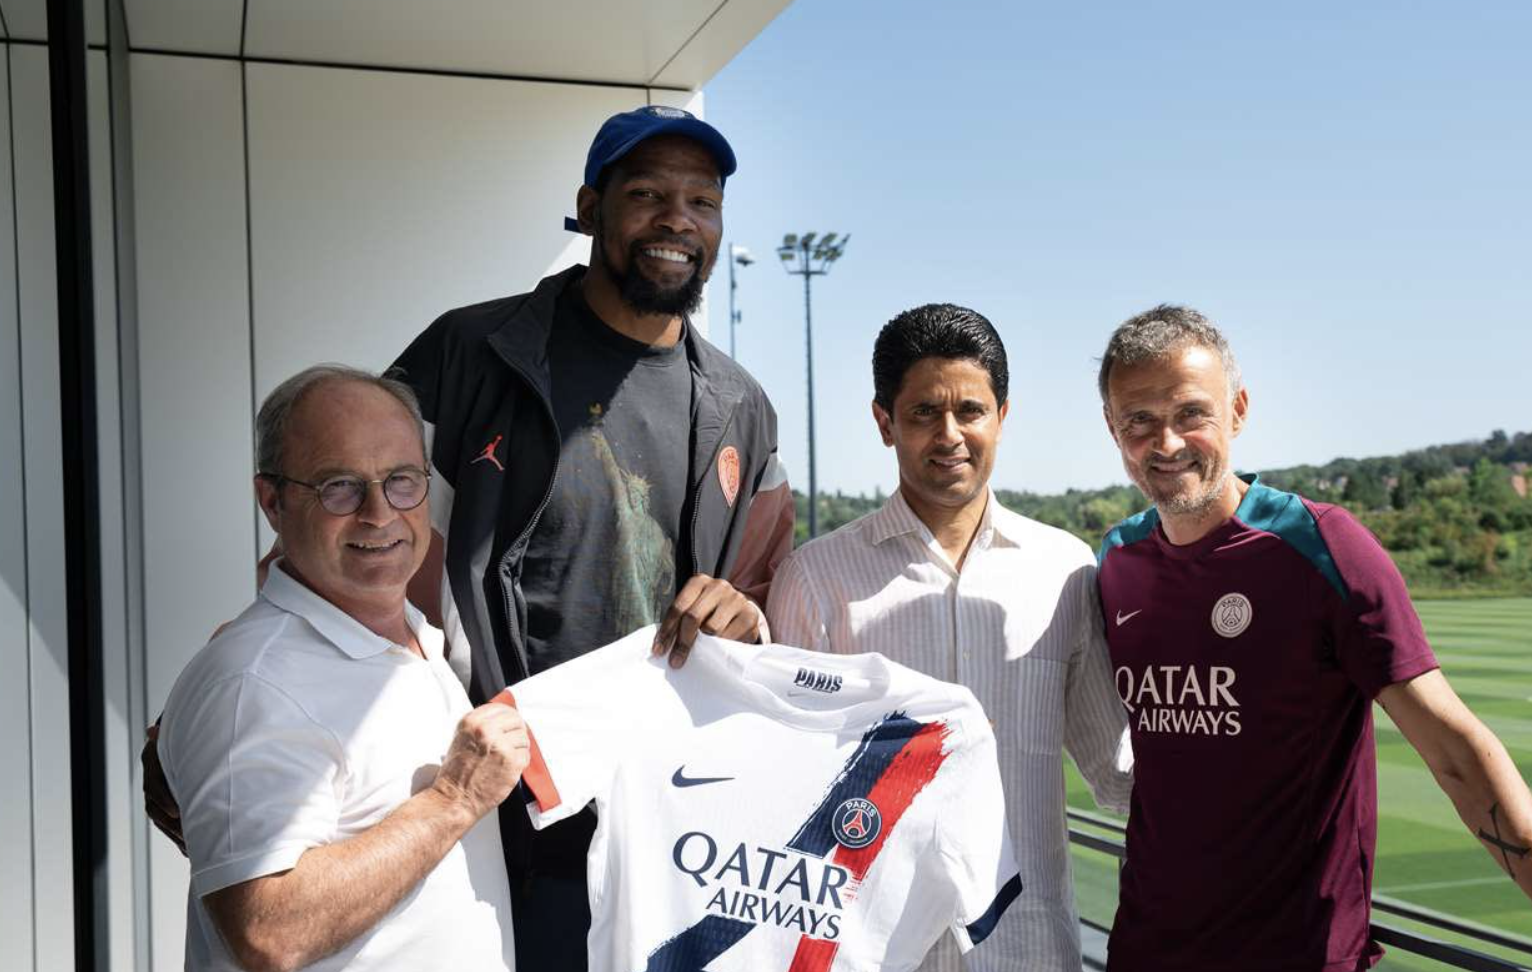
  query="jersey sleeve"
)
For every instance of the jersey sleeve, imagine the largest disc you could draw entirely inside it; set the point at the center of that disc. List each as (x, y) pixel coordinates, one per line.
(1378, 636)
(256, 778)
(975, 842)
(583, 716)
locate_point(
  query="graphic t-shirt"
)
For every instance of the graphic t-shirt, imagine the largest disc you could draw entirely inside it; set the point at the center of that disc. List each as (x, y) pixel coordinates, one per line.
(766, 808)
(1248, 662)
(604, 557)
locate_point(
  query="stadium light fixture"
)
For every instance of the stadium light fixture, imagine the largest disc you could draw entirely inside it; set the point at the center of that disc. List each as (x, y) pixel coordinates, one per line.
(808, 258)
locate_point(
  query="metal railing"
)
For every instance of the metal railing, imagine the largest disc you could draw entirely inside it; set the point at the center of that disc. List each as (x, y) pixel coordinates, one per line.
(1415, 943)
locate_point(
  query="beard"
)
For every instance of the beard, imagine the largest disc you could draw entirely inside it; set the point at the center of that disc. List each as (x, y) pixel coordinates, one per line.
(647, 296)
(1181, 500)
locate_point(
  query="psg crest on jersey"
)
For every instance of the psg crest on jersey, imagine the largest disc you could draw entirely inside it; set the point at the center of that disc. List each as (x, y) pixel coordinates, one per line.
(1232, 615)
(856, 823)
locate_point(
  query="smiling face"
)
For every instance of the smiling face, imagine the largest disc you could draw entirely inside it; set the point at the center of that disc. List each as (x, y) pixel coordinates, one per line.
(657, 224)
(944, 427)
(361, 563)
(1174, 420)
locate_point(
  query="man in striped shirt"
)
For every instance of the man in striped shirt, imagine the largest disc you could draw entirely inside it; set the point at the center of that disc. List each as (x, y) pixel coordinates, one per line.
(947, 581)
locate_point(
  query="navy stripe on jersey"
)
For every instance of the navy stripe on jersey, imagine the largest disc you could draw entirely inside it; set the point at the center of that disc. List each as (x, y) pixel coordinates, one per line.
(1286, 516)
(980, 928)
(880, 745)
(693, 949)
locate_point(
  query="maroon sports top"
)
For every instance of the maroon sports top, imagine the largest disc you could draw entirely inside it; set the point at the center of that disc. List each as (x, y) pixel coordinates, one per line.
(1248, 662)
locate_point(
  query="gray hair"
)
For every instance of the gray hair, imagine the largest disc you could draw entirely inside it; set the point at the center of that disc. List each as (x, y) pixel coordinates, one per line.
(1157, 333)
(276, 411)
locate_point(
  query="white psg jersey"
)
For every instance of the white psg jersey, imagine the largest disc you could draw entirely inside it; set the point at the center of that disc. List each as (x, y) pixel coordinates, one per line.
(766, 808)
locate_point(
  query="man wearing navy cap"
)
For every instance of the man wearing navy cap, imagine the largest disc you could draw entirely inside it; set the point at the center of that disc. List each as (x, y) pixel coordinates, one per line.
(596, 452)
(597, 466)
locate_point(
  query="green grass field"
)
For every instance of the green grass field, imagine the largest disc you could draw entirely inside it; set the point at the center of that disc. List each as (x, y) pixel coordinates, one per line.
(1425, 856)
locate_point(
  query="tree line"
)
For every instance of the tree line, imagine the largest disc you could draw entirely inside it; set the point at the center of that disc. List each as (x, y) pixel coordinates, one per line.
(1456, 518)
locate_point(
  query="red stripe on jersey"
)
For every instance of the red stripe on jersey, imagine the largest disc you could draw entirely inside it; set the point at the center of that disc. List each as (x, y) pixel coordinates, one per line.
(908, 773)
(536, 775)
(813, 955)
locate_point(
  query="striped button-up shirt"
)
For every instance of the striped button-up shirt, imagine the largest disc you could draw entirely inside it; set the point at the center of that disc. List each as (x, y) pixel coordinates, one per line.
(1020, 626)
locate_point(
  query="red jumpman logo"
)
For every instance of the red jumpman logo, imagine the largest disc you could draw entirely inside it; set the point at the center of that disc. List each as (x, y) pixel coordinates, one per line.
(488, 452)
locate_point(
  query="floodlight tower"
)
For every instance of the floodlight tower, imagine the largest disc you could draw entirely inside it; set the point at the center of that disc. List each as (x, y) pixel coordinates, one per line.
(809, 258)
(741, 256)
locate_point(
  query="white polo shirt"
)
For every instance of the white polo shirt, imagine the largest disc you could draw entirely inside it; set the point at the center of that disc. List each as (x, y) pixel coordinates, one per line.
(298, 727)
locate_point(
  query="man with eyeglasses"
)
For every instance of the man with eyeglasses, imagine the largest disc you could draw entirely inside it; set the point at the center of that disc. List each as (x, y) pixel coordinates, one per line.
(336, 786)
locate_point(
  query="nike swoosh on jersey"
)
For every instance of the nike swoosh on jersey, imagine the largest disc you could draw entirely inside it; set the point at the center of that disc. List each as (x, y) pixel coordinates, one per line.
(1123, 619)
(679, 778)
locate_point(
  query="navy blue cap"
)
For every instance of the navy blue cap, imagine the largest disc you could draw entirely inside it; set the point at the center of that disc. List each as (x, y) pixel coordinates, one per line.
(621, 133)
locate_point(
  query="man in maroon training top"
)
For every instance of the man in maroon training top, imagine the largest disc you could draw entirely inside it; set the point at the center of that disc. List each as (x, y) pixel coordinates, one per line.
(1250, 631)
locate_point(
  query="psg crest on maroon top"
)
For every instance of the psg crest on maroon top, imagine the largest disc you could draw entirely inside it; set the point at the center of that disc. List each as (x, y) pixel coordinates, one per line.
(857, 823)
(1232, 615)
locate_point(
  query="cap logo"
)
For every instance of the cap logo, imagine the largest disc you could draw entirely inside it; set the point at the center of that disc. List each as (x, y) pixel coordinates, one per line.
(665, 111)
(1232, 615)
(728, 474)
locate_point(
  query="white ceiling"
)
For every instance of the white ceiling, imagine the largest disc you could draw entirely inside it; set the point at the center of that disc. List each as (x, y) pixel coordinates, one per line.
(664, 43)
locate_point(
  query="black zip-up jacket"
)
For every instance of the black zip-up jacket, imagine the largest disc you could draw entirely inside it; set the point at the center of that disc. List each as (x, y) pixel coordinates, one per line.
(481, 373)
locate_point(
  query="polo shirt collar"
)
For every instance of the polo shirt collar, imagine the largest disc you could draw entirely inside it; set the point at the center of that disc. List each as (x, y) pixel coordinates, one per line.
(334, 625)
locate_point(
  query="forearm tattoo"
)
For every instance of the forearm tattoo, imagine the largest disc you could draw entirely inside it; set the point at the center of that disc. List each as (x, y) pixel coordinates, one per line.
(1495, 840)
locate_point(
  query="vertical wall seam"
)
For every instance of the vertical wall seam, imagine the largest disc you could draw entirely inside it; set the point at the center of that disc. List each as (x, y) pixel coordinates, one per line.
(244, 118)
(26, 540)
(5, 27)
(135, 694)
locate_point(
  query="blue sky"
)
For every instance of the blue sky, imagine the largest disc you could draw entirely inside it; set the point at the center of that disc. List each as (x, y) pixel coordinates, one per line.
(1346, 189)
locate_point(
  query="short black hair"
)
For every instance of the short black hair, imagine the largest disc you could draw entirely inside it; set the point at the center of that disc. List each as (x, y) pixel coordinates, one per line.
(936, 331)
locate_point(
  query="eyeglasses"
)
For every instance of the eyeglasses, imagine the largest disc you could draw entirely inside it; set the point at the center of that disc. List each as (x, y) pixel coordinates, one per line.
(404, 489)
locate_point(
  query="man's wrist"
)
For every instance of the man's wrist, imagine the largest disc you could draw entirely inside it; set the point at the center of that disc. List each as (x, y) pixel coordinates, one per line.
(450, 803)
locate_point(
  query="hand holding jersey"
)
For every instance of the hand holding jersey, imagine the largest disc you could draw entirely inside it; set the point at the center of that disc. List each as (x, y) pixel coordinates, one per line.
(707, 605)
(773, 808)
(489, 750)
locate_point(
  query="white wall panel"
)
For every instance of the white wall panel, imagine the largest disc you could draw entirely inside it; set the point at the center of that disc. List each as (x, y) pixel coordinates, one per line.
(28, 19)
(16, 913)
(194, 348)
(379, 200)
(42, 463)
(201, 26)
